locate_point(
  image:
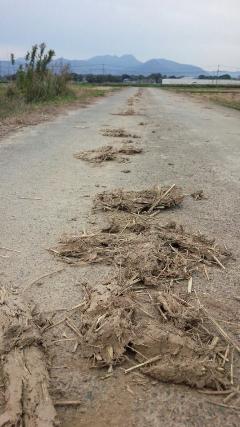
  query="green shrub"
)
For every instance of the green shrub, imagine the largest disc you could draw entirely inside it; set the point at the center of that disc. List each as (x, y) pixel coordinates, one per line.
(35, 81)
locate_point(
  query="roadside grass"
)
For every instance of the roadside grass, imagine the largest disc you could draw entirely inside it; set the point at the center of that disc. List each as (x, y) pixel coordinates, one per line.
(15, 106)
(221, 95)
(16, 113)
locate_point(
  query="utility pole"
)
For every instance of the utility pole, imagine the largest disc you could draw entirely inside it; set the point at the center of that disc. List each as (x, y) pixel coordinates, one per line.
(218, 70)
(103, 69)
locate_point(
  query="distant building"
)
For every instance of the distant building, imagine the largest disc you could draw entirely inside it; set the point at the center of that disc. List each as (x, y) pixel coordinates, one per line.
(201, 82)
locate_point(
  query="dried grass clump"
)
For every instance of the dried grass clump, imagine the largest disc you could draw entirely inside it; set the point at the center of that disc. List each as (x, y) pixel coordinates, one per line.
(152, 254)
(164, 253)
(145, 201)
(108, 153)
(129, 150)
(140, 315)
(164, 334)
(92, 248)
(118, 133)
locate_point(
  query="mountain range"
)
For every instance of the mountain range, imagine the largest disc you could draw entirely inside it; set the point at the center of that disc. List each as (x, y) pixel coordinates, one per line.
(118, 65)
(128, 64)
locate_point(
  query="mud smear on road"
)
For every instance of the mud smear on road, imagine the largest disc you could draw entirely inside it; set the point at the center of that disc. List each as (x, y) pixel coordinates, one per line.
(108, 153)
(24, 366)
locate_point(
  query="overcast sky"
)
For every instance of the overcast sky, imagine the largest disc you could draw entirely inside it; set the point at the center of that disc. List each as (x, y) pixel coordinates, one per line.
(204, 33)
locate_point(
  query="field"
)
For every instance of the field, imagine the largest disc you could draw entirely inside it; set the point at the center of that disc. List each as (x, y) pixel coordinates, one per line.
(228, 97)
(16, 113)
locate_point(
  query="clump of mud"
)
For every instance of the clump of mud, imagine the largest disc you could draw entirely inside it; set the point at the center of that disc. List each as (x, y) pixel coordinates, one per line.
(119, 133)
(145, 201)
(108, 153)
(165, 336)
(23, 366)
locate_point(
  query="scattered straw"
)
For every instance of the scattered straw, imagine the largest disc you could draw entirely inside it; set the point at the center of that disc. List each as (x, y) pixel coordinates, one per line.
(140, 201)
(108, 153)
(119, 133)
(150, 253)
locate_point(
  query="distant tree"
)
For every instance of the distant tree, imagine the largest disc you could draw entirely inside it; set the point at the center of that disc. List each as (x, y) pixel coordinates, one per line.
(157, 77)
(225, 77)
(76, 77)
(125, 76)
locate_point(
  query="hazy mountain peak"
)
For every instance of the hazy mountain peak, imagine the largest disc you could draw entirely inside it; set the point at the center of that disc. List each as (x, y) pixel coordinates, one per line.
(124, 64)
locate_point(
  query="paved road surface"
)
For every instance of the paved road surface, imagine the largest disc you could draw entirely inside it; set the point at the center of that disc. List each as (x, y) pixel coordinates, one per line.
(186, 142)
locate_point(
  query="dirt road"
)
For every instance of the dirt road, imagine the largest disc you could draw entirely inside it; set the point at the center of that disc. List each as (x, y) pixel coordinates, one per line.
(46, 192)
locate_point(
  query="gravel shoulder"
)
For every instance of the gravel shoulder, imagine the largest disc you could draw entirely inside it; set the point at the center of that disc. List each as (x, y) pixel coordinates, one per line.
(46, 192)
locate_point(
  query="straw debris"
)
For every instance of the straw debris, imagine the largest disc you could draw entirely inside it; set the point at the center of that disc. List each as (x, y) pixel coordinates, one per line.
(118, 133)
(140, 315)
(145, 201)
(108, 153)
(162, 335)
(153, 254)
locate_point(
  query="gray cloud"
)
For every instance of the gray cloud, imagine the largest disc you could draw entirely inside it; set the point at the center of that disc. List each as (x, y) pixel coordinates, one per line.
(205, 33)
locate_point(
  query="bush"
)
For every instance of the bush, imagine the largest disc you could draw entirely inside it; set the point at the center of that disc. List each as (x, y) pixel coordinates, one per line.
(35, 81)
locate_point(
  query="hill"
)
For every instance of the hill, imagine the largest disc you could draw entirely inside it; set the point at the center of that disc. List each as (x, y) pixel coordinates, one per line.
(118, 65)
